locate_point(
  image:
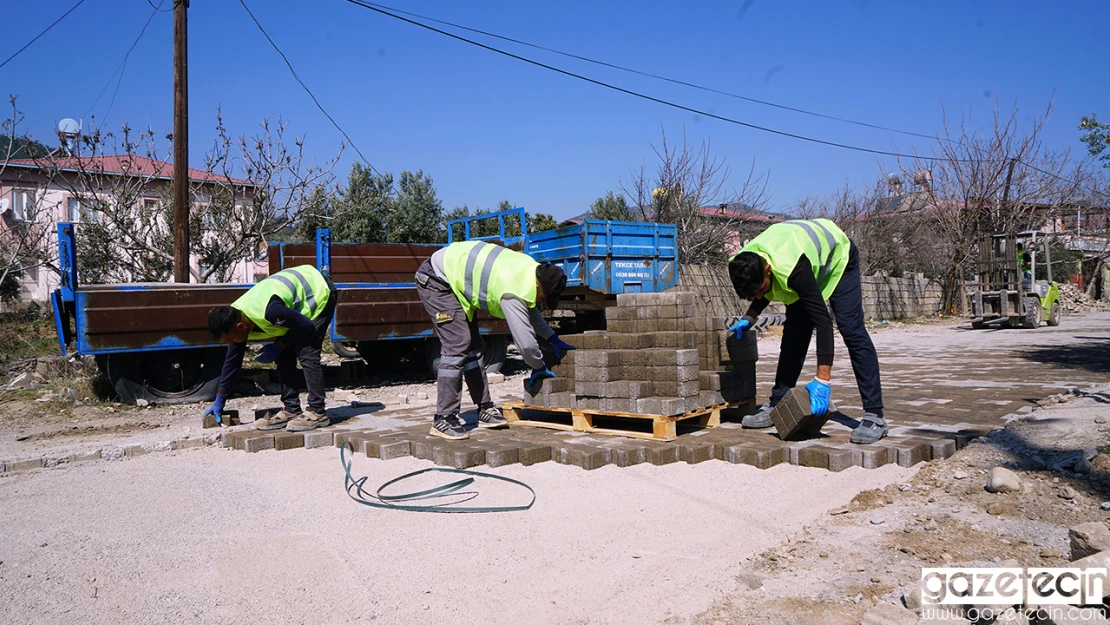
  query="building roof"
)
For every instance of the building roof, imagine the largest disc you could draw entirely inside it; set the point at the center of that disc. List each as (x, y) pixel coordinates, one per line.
(123, 165)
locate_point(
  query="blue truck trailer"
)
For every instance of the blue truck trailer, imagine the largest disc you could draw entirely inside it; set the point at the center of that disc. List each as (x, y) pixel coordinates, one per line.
(151, 340)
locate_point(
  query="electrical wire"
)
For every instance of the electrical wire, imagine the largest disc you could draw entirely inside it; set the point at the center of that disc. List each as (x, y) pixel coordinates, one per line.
(159, 7)
(642, 96)
(651, 75)
(123, 66)
(55, 23)
(304, 86)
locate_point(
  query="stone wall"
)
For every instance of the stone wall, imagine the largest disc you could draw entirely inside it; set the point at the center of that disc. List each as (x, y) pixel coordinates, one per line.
(883, 297)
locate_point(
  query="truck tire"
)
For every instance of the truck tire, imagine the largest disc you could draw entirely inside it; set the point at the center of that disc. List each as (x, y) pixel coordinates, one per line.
(1054, 316)
(346, 350)
(173, 376)
(1031, 319)
(494, 353)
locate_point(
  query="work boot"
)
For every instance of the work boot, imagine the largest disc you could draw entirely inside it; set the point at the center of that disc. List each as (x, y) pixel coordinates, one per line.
(760, 419)
(275, 421)
(491, 417)
(450, 427)
(308, 421)
(871, 428)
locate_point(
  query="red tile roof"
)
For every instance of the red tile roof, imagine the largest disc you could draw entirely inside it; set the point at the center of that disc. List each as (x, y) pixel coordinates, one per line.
(123, 165)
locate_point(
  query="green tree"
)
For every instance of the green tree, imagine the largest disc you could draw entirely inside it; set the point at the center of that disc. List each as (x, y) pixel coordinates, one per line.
(415, 214)
(1097, 137)
(363, 206)
(317, 214)
(540, 222)
(612, 207)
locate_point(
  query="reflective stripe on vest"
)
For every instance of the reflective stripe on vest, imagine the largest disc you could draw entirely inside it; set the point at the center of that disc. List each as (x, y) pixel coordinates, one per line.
(830, 244)
(469, 267)
(309, 299)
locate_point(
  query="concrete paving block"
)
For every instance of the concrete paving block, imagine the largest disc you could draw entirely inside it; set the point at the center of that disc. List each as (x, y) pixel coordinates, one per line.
(664, 388)
(672, 324)
(501, 455)
(791, 417)
(661, 453)
(663, 358)
(591, 340)
(396, 449)
(623, 456)
(425, 448)
(234, 440)
(628, 299)
(685, 298)
(319, 438)
(875, 456)
(588, 458)
(459, 456)
(638, 389)
(670, 406)
(263, 413)
(21, 466)
(756, 455)
(595, 374)
(590, 389)
(288, 440)
(534, 454)
(132, 451)
(709, 381)
(597, 358)
(184, 443)
(745, 349)
(675, 340)
(258, 442)
(909, 451)
(942, 448)
(709, 398)
(356, 439)
(831, 458)
(631, 341)
(686, 357)
(687, 389)
(649, 405)
(694, 403)
(688, 373)
(88, 456)
(694, 453)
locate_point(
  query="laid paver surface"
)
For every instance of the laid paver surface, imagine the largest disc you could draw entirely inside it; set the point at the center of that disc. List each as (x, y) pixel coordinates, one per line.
(939, 393)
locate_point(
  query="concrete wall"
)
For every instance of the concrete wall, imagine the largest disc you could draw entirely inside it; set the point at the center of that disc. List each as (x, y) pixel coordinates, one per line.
(883, 297)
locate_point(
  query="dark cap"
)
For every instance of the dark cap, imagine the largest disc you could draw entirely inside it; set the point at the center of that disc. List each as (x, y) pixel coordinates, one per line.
(552, 280)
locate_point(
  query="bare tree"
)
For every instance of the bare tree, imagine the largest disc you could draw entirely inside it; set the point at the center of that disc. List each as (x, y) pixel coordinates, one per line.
(25, 227)
(686, 181)
(120, 191)
(998, 180)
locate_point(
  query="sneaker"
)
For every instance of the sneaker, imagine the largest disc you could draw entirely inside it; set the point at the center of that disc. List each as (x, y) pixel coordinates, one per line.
(275, 421)
(760, 419)
(871, 428)
(450, 427)
(491, 418)
(308, 421)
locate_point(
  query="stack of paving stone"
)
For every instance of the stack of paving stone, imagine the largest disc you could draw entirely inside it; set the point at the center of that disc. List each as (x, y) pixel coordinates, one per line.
(657, 357)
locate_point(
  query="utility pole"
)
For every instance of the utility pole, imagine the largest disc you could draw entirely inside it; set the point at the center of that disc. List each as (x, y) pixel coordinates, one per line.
(180, 142)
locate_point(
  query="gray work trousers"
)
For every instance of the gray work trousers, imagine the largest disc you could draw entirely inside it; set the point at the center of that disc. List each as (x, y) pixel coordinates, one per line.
(460, 351)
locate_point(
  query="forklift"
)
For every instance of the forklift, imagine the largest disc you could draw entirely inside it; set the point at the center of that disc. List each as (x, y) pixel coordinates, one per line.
(1007, 293)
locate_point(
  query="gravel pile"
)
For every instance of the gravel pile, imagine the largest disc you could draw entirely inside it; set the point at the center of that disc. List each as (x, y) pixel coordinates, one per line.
(1072, 300)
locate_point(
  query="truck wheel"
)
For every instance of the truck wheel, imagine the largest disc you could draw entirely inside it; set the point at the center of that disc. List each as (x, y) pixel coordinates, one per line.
(1032, 317)
(175, 376)
(346, 350)
(1054, 316)
(496, 351)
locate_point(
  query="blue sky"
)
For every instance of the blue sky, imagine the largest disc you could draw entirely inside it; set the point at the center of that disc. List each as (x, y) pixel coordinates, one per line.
(488, 128)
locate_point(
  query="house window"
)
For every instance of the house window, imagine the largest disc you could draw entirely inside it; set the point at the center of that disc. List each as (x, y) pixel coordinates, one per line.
(82, 211)
(19, 204)
(150, 205)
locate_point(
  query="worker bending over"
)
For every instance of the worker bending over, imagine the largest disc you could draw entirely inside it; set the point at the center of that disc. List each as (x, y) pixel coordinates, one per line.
(292, 309)
(802, 264)
(454, 284)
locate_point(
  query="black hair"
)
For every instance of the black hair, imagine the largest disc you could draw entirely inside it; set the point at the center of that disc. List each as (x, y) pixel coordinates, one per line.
(746, 273)
(222, 320)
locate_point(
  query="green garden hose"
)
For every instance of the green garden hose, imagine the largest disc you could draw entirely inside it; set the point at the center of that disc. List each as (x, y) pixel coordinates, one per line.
(356, 491)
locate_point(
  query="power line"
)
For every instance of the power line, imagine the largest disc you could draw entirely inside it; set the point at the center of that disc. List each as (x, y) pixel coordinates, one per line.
(304, 86)
(649, 74)
(636, 94)
(55, 23)
(123, 66)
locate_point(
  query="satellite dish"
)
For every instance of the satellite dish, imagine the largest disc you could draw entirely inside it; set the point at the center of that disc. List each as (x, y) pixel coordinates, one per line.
(68, 129)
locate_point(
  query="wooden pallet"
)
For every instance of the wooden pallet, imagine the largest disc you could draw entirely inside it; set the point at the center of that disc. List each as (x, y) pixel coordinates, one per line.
(663, 428)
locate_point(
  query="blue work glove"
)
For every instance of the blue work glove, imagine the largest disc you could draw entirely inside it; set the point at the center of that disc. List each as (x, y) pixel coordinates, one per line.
(818, 397)
(269, 353)
(216, 408)
(560, 346)
(537, 377)
(742, 324)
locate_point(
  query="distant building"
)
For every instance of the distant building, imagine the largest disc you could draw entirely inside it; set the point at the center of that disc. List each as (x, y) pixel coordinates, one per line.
(71, 188)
